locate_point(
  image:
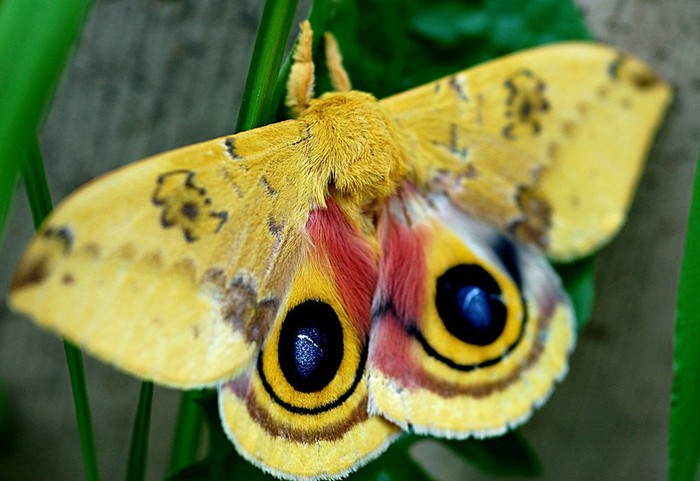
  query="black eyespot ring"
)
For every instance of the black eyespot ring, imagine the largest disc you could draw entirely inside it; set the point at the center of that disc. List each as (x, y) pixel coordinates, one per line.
(468, 300)
(310, 346)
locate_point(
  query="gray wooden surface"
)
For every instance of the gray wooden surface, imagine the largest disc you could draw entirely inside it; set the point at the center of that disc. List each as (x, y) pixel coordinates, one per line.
(153, 75)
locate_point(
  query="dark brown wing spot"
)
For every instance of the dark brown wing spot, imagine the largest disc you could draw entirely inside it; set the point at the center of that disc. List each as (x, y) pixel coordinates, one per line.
(537, 221)
(456, 84)
(244, 312)
(33, 272)
(190, 210)
(231, 148)
(68, 279)
(453, 147)
(526, 104)
(62, 234)
(186, 204)
(268, 188)
(214, 276)
(624, 69)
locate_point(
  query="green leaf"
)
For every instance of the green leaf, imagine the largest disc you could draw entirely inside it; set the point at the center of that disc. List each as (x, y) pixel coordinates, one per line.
(275, 25)
(579, 282)
(684, 434)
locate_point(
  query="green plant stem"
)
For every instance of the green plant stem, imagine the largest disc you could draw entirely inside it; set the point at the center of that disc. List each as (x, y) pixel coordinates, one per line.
(138, 450)
(187, 432)
(275, 26)
(684, 429)
(9, 178)
(32, 170)
(35, 184)
(74, 359)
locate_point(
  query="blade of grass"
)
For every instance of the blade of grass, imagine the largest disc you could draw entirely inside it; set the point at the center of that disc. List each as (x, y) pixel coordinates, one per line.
(684, 429)
(270, 44)
(74, 359)
(34, 45)
(256, 108)
(9, 177)
(138, 450)
(32, 169)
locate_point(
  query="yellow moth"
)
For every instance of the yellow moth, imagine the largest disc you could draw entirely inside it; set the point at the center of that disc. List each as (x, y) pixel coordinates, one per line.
(365, 268)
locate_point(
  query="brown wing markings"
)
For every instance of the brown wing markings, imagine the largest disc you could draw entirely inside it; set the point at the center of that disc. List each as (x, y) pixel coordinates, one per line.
(244, 312)
(231, 148)
(55, 241)
(331, 432)
(537, 218)
(67, 279)
(32, 272)
(214, 276)
(456, 83)
(269, 190)
(61, 233)
(625, 69)
(186, 205)
(525, 105)
(461, 153)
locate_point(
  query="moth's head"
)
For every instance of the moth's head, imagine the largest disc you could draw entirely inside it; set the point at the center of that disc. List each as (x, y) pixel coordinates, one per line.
(355, 145)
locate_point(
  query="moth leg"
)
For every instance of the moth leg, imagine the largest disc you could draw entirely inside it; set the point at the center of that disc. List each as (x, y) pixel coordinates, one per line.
(300, 85)
(334, 62)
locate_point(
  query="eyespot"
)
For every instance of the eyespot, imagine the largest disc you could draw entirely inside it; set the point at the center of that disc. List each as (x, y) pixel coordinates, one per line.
(468, 300)
(310, 346)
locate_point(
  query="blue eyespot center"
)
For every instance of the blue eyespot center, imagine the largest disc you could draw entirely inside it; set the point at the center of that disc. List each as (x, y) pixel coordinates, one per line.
(474, 306)
(468, 300)
(310, 346)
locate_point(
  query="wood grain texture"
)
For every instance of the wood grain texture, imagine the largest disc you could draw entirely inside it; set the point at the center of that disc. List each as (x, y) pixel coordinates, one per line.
(149, 76)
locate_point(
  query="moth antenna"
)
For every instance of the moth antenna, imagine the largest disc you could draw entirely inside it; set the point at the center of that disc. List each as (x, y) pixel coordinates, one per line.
(300, 85)
(334, 61)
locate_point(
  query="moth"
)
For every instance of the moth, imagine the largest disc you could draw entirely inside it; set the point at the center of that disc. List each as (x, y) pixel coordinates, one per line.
(365, 268)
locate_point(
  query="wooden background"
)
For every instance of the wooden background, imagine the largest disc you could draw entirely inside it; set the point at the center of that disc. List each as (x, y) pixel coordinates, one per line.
(152, 75)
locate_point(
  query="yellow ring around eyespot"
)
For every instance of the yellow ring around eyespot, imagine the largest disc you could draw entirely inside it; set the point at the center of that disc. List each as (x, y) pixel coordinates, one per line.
(449, 253)
(315, 420)
(501, 369)
(313, 283)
